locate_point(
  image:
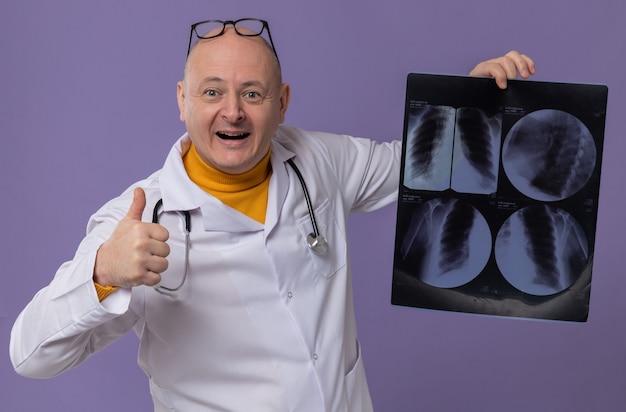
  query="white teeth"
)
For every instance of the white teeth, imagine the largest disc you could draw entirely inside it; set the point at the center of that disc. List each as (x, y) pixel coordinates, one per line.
(232, 134)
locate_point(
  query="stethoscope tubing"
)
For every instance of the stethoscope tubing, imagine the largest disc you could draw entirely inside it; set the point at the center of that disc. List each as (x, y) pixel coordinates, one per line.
(305, 189)
(315, 241)
(164, 290)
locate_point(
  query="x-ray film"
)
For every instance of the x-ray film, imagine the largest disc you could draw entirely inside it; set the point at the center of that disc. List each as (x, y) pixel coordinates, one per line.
(498, 196)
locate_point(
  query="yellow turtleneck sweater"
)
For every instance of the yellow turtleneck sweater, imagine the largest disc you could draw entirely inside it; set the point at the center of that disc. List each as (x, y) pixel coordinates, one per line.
(246, 192)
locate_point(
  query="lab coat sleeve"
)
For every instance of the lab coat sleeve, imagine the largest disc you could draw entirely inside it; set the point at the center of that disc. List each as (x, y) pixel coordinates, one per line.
(368, 171)
(65, 323)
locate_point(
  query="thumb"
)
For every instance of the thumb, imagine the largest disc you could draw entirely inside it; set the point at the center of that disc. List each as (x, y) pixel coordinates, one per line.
(139, 203)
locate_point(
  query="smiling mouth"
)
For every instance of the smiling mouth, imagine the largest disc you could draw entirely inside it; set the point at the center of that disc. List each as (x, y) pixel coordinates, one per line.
(232, 136)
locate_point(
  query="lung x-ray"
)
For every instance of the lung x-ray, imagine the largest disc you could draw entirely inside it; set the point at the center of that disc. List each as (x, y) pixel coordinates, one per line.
(498, 197)
(452, 148)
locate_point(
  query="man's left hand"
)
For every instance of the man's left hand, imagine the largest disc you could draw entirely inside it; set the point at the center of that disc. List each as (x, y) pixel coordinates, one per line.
(509, 66)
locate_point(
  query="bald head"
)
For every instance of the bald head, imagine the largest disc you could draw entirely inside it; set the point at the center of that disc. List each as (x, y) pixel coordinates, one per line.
(229, 32)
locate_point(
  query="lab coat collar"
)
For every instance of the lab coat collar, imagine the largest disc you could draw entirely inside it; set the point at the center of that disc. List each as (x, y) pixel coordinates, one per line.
(177, 190)
(279, 184)
(180, 193)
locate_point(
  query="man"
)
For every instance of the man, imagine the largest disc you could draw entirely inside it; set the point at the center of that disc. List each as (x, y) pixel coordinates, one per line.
(243, 316)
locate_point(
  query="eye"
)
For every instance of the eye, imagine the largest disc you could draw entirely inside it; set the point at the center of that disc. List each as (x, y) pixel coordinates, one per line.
(253, 97)
(212, 95)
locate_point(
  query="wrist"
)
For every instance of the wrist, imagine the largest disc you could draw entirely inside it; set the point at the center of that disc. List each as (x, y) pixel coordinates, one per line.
(100, 276)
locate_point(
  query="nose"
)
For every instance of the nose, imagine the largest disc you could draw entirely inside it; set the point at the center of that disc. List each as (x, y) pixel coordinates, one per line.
(233, 110)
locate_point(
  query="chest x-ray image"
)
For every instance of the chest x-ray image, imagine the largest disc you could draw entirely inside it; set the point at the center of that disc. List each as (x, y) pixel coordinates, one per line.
(429, 148)
(447, 244)
(452, 148)
(498, 197)
(541, 250)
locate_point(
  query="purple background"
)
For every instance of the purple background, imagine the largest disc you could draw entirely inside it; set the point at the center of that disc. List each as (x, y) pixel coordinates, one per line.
(88, 107)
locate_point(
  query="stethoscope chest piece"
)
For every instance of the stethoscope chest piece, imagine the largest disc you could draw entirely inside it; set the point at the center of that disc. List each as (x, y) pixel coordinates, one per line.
(317, 244)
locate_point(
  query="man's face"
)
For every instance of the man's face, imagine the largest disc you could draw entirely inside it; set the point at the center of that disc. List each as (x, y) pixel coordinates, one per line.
(232, 101)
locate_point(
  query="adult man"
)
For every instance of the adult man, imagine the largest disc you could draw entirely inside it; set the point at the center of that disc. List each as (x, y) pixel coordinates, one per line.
(245, 316)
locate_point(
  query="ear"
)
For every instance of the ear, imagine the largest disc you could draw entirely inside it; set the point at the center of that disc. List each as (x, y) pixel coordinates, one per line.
(285, 95)
(180, 96)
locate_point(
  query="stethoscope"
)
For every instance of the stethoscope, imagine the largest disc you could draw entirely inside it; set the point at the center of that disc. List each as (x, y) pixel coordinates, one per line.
(314, 240)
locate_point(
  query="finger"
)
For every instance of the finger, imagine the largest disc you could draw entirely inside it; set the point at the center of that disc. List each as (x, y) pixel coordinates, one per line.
(530, 64)
(501, 79)
(157, 232)
(155, 264)
(510, 66)
(151, 279)
(158, 248)
(499, 73)
(147, 273)
(492, 68)
(523, 64)
(135, 211)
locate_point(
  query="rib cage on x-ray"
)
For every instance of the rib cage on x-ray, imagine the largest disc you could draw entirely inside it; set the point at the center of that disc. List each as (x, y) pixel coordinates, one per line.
(447, 243)
(454, 239)
(429, 148)
(476, 151)
(541, 245)
(452, 148)
(541, 250)
(549, 155)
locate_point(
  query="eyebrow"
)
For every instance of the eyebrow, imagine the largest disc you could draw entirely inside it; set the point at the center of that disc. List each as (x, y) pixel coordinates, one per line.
(211, 79)
(216, 79)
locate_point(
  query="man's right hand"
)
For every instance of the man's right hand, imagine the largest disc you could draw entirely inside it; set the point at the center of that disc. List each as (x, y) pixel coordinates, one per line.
(136, 252)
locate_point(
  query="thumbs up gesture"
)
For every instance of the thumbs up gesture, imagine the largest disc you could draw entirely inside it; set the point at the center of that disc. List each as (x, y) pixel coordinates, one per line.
(136, 252)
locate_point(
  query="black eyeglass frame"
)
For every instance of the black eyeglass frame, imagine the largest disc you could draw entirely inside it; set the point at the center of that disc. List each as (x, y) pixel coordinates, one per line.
(234, 23)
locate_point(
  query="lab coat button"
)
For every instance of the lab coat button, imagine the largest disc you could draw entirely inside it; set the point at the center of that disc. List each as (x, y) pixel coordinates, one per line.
(290, 295)
(314, 356)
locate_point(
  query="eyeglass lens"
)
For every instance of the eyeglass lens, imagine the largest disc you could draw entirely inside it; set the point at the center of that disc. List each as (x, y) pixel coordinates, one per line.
(243, 27)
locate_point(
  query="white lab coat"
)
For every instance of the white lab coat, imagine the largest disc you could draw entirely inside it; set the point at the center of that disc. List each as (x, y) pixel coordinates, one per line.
(262, 323)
